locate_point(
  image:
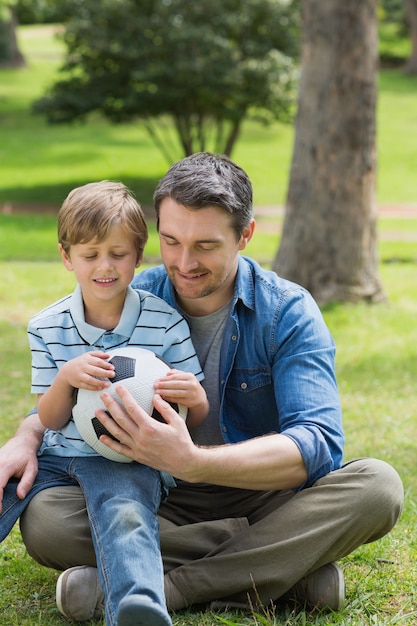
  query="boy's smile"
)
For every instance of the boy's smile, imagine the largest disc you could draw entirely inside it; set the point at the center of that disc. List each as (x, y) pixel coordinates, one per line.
(104, 270)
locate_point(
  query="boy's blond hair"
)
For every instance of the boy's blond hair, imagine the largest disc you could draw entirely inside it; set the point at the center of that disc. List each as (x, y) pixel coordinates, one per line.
(90, 211)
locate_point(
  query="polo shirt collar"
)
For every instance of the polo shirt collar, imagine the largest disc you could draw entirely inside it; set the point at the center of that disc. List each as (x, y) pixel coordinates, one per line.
(124, 328)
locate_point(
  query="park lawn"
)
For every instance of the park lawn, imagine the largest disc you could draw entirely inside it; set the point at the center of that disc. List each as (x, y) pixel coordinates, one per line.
(376, 363)
(376, 369)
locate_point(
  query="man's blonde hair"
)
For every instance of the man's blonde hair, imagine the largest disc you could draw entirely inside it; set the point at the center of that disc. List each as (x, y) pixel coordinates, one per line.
(90, 211)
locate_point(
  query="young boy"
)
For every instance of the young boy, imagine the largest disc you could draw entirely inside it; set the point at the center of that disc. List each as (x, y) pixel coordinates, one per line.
(102, 234)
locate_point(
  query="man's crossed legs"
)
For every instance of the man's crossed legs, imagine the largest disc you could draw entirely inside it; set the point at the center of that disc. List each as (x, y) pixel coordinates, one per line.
(238, 546)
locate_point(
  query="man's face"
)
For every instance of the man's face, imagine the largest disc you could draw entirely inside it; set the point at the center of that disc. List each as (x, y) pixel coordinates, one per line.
(200, 252)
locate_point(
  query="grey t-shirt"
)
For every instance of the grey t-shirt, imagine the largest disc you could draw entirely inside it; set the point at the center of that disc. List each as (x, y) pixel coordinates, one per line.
(207, 335)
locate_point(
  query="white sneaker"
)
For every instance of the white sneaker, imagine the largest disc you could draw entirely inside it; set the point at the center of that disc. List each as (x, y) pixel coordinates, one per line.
(78, 594)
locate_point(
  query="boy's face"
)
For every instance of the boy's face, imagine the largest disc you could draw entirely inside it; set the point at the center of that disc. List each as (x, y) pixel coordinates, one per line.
(200, 252)
(103, 269)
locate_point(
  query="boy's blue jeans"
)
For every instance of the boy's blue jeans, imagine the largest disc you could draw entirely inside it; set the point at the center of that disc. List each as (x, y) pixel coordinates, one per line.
(122, 502)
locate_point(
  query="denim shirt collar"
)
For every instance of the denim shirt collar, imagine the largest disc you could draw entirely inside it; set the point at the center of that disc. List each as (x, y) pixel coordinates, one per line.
(244, 285)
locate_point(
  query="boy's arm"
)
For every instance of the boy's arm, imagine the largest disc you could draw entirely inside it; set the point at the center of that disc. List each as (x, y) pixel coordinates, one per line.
(198, 412)
(196, 415)
(55, 405)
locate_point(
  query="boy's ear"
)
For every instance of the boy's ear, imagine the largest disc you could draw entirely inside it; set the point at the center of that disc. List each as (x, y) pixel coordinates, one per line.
(139, 259)
(65, 258)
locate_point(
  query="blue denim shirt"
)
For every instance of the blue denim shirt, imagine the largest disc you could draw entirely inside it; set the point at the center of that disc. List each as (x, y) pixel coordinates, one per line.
(276, 365)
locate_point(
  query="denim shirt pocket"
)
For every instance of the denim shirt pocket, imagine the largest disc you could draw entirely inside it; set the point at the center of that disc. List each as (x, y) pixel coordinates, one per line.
(250, 407)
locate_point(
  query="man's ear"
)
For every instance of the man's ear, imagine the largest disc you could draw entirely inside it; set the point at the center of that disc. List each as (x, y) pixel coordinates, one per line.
(247, 234)
(65, 258)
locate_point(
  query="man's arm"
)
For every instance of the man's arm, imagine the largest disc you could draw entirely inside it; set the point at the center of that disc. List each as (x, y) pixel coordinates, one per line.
(18, 456)
(270, 462)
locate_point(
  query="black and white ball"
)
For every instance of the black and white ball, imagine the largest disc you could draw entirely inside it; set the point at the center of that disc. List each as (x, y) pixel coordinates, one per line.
(136, 369)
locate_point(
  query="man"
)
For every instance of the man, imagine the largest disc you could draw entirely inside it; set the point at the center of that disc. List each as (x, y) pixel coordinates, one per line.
(263, 505)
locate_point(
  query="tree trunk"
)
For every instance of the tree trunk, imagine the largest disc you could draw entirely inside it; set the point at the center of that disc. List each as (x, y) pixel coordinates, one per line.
(411, 10)
(329, 240)
(10, 55)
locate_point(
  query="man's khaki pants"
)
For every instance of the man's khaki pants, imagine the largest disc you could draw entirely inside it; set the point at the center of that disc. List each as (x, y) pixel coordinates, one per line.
(225, 544)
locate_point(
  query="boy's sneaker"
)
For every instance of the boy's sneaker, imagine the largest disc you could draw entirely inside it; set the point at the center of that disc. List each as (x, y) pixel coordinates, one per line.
(139, 610)
(78, 594)
(322, 589)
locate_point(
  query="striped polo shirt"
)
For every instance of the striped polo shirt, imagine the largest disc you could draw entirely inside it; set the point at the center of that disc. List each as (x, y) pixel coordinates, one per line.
(59, 333)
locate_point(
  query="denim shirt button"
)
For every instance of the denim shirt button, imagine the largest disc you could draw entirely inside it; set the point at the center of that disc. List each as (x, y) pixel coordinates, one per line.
(224, 429)
(234, 337)
(244, 386)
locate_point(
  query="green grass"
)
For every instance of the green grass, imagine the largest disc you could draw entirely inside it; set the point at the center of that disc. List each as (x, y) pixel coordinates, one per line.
(376, 362)
(397, 149)
(376, 369)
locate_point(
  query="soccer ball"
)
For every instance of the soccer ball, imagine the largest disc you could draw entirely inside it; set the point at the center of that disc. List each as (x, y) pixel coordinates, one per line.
(136, 369)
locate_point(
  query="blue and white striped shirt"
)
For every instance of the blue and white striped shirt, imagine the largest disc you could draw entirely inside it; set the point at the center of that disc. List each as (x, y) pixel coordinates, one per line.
(59, 333)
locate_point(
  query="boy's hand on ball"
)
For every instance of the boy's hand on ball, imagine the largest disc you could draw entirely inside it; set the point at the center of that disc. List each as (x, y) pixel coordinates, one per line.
(181, 387)
(88, 371)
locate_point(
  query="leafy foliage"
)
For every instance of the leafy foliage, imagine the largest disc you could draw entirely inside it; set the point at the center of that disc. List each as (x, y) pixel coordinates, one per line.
(204, 65)
(39, 11)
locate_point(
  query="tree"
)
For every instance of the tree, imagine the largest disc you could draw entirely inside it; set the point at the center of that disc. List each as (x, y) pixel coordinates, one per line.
(10, 55)
(411, 12)
(40, 11)
(205, 66)
(329, 240)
